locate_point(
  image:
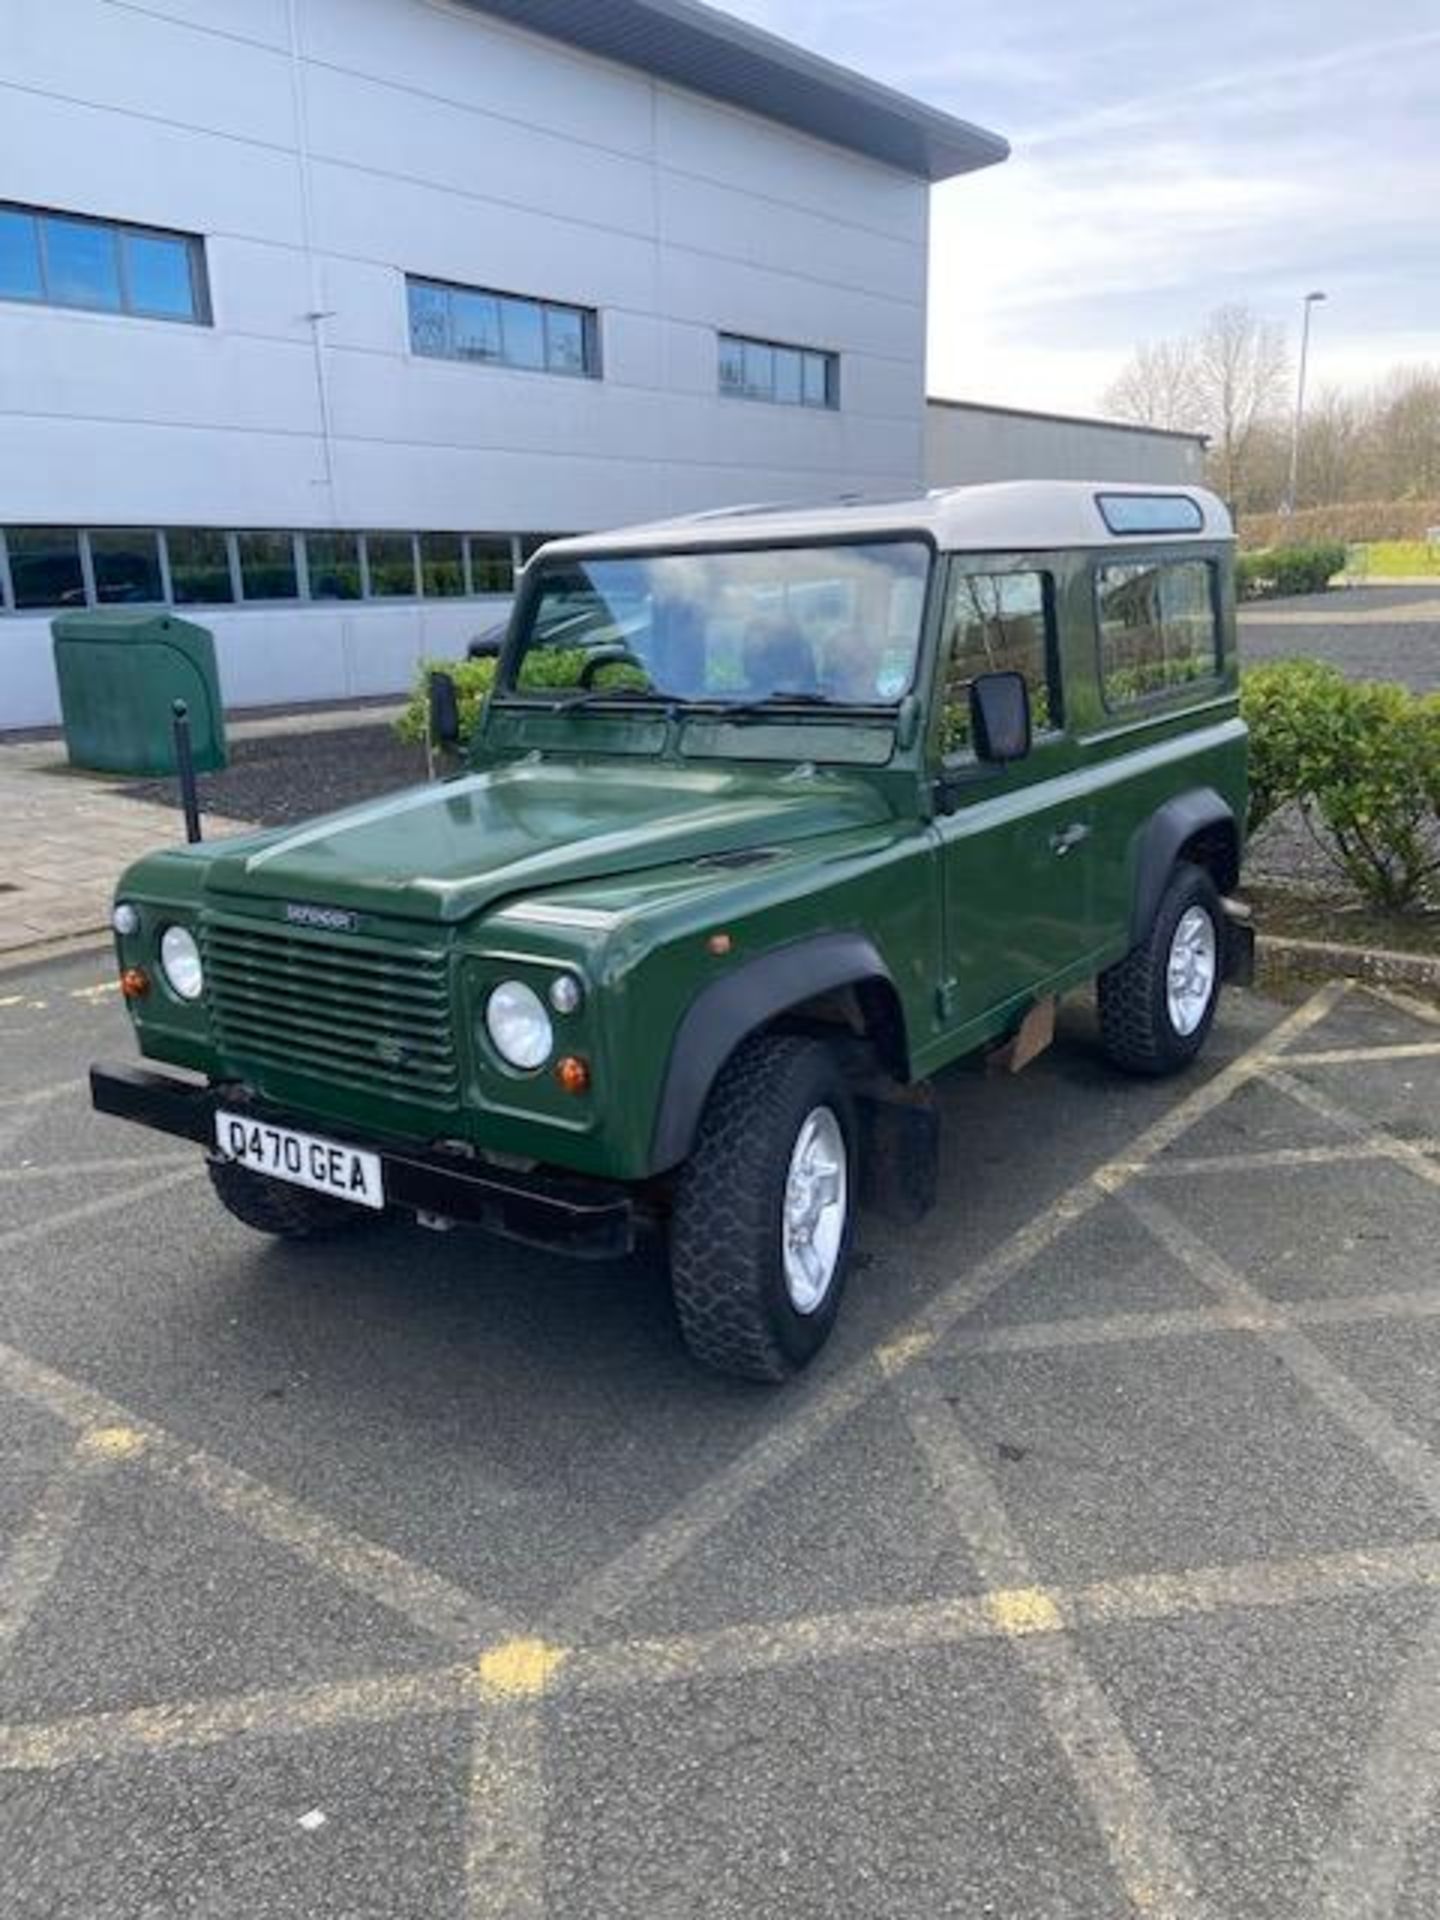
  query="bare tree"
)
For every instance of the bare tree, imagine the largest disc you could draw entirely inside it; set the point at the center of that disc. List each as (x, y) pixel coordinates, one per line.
(1333, 451)
(1407, 432)
(1156, 386)
(1240, 371)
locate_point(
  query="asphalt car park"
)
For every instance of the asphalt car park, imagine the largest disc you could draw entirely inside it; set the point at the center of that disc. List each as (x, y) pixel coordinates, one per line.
(1094, 1569)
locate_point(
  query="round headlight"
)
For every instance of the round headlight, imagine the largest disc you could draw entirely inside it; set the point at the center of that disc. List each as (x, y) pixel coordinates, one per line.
(180, 962)
(519, 1025)
(565, 993)
(125, 918)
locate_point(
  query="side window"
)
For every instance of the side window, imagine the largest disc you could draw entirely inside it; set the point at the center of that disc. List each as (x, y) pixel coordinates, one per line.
(1158, 627)
(998, 623)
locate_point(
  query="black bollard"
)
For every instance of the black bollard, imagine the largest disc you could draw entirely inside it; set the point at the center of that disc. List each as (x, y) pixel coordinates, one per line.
(185, 767)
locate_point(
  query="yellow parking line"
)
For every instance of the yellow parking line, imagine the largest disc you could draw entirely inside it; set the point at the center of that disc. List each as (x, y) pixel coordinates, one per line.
(505, 1820)
(450, 1613)
(265, 1713)
(96, 1209)
(1406, 1003)
(35, 1557)
(1343, 1056)
(1367, 1854)
(1388, 1145)
(607, 1592)
(1405, 1458)
(1267, 1159)
(520, 1669)
(751, 1647)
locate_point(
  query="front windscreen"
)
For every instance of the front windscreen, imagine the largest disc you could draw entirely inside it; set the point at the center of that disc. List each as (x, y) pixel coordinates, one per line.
(820, 625)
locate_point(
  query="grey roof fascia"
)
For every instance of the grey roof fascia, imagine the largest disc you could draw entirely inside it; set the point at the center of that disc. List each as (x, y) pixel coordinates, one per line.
(699, 48)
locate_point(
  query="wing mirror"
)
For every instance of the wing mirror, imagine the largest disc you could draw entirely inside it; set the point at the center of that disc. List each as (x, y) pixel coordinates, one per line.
(442, 720)
(1000, 717)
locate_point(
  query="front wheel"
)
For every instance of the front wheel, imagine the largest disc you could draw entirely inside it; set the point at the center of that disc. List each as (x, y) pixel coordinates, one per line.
(764, 1212)
(1158, 1003)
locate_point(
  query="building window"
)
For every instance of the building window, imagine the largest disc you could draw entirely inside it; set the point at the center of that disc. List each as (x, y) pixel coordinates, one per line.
(267, 566)
(492, 563)
(769, 370)
(45, 568)
(502, 329)
(105, 266)
(998, 623)
(442, 566)
(51, 568)
(125, 566)
(333, 563)
(390, 566)
(1159, 627)
(199, 561)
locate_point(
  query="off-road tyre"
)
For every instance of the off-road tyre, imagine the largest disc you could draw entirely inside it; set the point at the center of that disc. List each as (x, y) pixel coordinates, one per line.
(277, 1208)
(1136, 1030)
(726, 1249)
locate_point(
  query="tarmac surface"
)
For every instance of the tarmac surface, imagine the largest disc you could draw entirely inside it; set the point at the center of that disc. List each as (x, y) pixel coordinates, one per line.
(1094, 1570)
(1370, 633)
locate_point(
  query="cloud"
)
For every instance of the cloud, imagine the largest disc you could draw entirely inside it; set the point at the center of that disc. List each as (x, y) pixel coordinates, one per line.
(1165, 159)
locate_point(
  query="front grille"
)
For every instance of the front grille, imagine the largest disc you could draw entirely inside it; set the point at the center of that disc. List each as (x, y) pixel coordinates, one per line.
(354, 1013)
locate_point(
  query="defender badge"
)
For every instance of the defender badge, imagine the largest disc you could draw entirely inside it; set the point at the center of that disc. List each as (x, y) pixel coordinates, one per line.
(328, 919)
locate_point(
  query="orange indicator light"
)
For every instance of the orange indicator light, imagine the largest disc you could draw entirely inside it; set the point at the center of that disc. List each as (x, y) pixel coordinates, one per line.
(573, 1073)
(134, 983)
(719, 943)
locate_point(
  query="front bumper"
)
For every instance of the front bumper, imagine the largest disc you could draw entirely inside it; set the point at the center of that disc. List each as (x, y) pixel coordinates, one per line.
(590, 1219)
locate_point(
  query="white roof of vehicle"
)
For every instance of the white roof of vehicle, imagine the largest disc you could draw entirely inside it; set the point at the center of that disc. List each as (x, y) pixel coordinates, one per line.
(1002, 516)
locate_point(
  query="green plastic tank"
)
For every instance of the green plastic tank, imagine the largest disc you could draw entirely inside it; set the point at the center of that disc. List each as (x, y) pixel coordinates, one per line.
(120, 672)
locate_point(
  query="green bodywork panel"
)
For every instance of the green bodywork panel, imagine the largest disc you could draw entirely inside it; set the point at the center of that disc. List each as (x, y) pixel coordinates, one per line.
(616, 845)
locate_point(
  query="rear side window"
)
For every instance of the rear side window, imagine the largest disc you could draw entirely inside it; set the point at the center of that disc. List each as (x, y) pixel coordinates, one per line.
(998, 623)
(1158, 627)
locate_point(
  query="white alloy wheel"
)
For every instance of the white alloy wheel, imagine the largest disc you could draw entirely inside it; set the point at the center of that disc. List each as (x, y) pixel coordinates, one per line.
(817, 1204)
(1192, 970)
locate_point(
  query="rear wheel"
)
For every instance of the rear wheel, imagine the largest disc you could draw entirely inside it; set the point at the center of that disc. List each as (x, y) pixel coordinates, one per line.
(277, 1208)
(764, 1212)
(1158, 1003)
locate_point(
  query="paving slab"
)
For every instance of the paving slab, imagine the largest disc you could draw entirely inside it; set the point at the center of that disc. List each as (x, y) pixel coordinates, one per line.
(65, 838)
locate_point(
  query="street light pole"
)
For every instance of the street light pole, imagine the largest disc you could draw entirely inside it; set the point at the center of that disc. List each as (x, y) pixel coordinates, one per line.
(1311, 300)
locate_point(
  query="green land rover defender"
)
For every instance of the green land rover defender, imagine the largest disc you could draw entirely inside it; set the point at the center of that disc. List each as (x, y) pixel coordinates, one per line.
(768, 816)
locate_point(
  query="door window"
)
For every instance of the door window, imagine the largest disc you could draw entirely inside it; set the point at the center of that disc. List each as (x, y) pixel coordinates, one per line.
(1158, 627)
(998, 623)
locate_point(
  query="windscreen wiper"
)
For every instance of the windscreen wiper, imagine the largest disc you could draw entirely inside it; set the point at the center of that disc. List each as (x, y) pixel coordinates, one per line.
(569, 702)
(771, 706)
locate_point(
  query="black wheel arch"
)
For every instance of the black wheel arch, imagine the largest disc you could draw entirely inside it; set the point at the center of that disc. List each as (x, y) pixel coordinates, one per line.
(754, 995)
(1200, 826)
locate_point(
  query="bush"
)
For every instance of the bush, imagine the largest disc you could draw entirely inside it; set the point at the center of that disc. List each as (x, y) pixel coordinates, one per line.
(1290, 707)
(1278, 571)
(1377, 791)
(544, 667)
(473, 681)
(1362, 761)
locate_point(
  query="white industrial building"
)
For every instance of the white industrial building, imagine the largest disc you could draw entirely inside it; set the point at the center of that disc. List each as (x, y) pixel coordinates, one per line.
(314, 313)
(968, 441)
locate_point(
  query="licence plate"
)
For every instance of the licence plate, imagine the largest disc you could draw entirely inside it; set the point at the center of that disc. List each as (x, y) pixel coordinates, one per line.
(304, 1159)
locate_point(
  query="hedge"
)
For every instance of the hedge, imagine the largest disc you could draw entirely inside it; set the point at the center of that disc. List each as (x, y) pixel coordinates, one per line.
(1285, 570)
(1351, 523)
(1361, 760)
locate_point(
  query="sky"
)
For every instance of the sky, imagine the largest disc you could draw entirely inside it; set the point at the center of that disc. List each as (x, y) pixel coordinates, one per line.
(1165, 158)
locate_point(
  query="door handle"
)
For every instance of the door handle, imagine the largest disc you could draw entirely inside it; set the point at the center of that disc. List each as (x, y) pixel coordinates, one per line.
(1065, 839)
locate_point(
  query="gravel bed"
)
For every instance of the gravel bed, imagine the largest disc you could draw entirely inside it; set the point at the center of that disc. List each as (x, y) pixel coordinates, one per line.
(280, 778)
